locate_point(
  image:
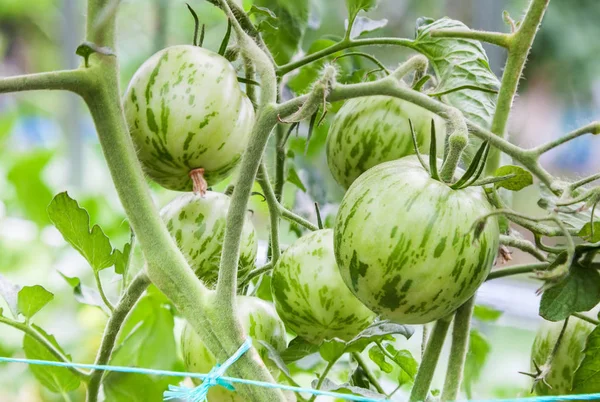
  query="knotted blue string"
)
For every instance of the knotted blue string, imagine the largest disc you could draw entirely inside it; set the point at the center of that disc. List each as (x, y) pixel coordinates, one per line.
(216, 377)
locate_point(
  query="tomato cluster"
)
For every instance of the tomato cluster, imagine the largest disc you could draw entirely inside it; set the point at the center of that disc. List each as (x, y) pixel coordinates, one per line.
(402, 248)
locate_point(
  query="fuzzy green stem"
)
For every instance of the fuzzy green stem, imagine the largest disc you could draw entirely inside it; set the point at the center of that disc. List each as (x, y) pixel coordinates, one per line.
(68, 80)
(105, 300)
(366, 56)
(592, 128)
(138, 285)
(586, 318)
(292, 217)
(520, 45)
(167, 267)
(365, 367)
(251, 50)
(518, 270)
(322, 378)
(523, 245)
(257, 272)
(32, 332)
(418, 63)
(584, 181)
(274, 214)
(280, 155)
(495, 38)
(430, 360)
(344, 44)
(458, 351)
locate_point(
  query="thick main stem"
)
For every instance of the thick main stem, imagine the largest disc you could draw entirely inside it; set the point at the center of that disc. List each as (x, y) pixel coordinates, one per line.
(167, 267)
(430, 360)
(113, 326)
(458, 351)
(520, 45)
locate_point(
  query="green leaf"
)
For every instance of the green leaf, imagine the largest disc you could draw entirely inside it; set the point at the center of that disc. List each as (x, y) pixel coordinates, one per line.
(359, 378)
(9, 293)
(485, 313)
(275, 357)
(73, 222)
(297, 349)
(479, 350)
(283, 35)
(265, 12)
(26, 175)
(32, 299)
(331, 386)
(574, 216)
(56, 379)
(364, 25)
(84, 294)
(149, 328)
(405, 360)
(460, 62)
(521, 179)
(332, 349)
(126, 387)
(586, 232)
(379, 331)
(377, 357)
(122, 259)
(293, 178)
(579, 291)
(587, 375)
(354, 6)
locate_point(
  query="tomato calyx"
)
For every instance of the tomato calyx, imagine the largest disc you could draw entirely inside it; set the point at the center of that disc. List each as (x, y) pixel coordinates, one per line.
(539, 376)
(200, 185)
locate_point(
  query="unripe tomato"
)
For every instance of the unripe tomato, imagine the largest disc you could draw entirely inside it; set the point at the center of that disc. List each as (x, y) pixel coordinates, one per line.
(371, 130)
(259, 320)
(567, 358)
(186, 111)
(405, 243)
(309, 293)
(197, 223)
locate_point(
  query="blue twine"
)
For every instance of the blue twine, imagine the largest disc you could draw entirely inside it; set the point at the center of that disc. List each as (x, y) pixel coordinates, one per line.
(216, 377)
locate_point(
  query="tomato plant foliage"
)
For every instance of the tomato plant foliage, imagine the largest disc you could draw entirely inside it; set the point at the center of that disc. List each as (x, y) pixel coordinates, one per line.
(414, 146)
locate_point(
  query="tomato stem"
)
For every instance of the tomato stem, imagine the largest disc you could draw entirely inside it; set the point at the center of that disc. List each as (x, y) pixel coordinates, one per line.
(519, 46)
(200, 185)
(430, 360)
(458, 351)
(128, 300)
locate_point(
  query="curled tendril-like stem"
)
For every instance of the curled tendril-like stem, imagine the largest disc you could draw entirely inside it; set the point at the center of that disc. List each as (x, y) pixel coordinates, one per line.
(200, 185)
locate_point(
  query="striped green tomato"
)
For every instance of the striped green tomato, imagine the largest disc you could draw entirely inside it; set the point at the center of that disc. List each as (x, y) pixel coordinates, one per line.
(259, 320)
(186, 111)
(567, 358)
(197, 223)
(371, 130)
(309, 293)
(405, 242)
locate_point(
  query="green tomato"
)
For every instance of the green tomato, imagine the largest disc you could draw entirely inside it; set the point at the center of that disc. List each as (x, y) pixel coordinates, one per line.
(186, 111)
(197, 223)
(567, 358)
(309, 293)
(405, 242)
(371, 130)
(259, 320)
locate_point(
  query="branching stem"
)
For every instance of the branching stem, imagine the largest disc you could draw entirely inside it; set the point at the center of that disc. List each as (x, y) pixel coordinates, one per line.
(41, 339)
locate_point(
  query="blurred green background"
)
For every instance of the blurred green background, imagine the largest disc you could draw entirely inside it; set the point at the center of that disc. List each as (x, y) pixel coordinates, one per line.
(48, 145)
